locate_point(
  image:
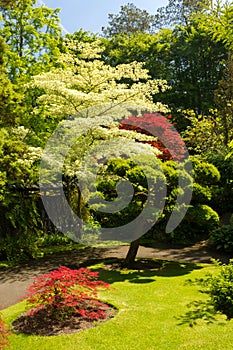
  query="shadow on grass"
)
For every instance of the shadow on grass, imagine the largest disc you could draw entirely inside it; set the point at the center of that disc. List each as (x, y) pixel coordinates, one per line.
(176, 268)
(199, 310)
(164, 268)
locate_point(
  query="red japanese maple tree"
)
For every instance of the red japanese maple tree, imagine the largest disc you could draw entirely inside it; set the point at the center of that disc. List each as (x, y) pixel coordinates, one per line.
(168, 140)
(65, 291)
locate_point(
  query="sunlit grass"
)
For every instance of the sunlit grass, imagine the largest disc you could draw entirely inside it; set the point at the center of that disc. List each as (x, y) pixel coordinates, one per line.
(152, 314)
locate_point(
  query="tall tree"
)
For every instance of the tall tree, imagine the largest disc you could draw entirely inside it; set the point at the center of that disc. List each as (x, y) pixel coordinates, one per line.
(11, 106)
(178, 12)
(188, 57)
(224, 101)
(32, 34)
(129, 20)
(6, 4)
(197, 66)
(219, 23)
(19, 218)
(150, 49)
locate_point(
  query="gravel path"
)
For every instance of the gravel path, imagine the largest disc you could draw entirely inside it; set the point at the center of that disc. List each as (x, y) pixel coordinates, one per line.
(14, 281)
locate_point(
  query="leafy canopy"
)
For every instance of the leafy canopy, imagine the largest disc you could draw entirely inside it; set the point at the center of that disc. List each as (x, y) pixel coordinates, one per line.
(32, 34)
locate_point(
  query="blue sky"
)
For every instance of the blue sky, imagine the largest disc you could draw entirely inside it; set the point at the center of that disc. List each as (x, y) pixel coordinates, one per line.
(93, 14)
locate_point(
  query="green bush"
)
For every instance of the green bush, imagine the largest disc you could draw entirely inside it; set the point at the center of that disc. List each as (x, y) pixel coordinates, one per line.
(222, 194)
(222, 238)
(200, 218)
(199, 221)
(20, 222)
(20, 227)
(206, 181)
(53, 239)
(220, 288)
(204, 172)
(201, 194)
(203, 215)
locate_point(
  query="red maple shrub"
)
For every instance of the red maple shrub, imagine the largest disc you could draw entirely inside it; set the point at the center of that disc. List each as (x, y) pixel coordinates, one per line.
(64, 291)
(168, 140)
(4, 333)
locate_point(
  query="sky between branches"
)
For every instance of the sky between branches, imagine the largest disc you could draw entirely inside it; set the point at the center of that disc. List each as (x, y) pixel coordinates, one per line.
(92, 15)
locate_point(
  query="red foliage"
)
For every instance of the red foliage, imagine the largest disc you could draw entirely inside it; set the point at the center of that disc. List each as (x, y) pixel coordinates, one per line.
(4, 333)
(65, 291)
(168, 141)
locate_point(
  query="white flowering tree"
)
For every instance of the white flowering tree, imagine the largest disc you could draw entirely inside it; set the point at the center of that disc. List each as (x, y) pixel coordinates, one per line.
(89, 98)
(85, 81)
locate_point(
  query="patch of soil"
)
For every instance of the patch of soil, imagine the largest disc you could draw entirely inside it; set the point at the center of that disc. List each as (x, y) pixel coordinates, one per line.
(43, 324)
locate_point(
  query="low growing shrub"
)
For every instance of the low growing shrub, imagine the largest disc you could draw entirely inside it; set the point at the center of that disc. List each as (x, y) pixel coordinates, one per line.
(200, 220)
(4, 333)
(222, 238)
(220, 288)
(64, 291)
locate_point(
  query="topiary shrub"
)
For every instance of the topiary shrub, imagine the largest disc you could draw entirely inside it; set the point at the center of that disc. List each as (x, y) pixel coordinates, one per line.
(222, 194)
(200, 220)
(205, 173)
(203, 216)
(201, 194)
(114, 171)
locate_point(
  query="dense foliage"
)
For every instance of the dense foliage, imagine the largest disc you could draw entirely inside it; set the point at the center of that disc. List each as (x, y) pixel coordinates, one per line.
(222, 238)
(178, 60)
(205, 177)
(32, 34)
(219, 286)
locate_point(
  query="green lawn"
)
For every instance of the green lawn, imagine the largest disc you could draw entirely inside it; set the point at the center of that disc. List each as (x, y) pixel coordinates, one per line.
(153, 314)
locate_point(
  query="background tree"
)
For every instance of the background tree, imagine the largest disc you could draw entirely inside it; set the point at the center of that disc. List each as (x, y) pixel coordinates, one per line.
(219, 23)
(129, 20)
(188, 57)
(32, 38)
(178, 12)
(151, 49)
(197, 66)
(6, 4)
(204, 134)
(11, 99)
(20, 224)
(32, 34)
(224, 101)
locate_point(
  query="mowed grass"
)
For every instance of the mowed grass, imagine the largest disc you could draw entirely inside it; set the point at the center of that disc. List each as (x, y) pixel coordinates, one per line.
(152, 314)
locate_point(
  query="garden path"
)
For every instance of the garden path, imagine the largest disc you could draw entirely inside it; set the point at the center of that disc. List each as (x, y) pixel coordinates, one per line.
(14, 281)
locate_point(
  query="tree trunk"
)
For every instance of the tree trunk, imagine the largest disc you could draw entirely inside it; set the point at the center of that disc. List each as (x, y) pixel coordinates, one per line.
(132, 252)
